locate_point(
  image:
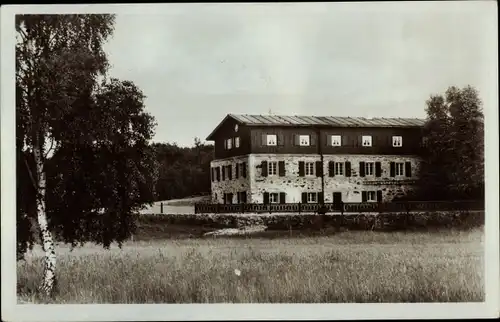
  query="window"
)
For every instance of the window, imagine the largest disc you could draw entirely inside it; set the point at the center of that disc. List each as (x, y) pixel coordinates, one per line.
(309, 168)
(229, 144)
(336, 140)
(399, 169)
(366, 140)
(273, 197)
(242, 170)
(312, 197)
(272, 168)
(271, 139)
(237, 142)
(339, 168)
(228, 198)
(371, 196)
(369, 166)
(397, 141)
(304, 140)
(242, 197)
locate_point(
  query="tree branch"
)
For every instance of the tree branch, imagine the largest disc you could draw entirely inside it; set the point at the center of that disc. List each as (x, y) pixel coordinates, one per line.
(24, 36)
(50, 149)
(30, 174)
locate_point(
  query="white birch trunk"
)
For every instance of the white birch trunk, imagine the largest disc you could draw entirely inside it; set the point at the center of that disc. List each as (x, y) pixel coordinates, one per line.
(49, 274)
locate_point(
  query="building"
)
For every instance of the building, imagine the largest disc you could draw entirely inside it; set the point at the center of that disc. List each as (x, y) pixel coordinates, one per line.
(291, 159)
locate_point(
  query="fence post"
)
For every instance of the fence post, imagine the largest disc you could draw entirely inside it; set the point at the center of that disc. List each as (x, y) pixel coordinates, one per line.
(161, 207)
(300, 207)
(242, 208)
(217, 208)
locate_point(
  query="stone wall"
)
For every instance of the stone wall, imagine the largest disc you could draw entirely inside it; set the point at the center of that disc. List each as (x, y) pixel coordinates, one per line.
(218, 188)
(350, 187)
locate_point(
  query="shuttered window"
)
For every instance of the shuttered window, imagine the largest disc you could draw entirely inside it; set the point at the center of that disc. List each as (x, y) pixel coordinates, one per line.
(282, 197)
(244, 169)
(319, 169)
(281, 168)
(369, 168)
(304, 140)
(336, 140)
(312, 197)
(263, 167)
(348, 169)
(272, 168)
(378, 169)
(301, 168)
(242, 197)
(397, 141)
(339, 168)
(399, 171)
(331, 169)
(408, 169)
(309, 168)
(274, 197)
(269, 139)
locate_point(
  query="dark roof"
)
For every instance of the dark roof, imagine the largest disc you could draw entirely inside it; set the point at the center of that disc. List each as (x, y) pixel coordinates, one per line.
(324, 121)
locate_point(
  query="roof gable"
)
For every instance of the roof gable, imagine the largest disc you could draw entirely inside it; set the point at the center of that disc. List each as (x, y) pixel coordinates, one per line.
(211, 136)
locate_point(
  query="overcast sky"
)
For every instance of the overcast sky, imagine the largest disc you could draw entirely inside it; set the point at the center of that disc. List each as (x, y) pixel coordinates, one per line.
(197, 62)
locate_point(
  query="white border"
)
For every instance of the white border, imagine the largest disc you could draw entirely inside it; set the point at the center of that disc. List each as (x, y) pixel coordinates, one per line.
(13, 312)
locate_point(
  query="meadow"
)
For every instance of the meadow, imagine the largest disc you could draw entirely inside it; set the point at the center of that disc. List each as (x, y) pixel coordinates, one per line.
(342, 267)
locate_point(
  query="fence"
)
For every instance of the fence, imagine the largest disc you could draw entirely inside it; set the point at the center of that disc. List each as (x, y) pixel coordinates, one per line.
(400, 206)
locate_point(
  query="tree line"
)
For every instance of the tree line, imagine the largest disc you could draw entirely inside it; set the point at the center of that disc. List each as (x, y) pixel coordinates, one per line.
(182, 171)
(86, 163)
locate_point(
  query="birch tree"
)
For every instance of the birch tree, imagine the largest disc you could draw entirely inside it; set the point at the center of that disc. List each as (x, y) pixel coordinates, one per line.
(82, 141)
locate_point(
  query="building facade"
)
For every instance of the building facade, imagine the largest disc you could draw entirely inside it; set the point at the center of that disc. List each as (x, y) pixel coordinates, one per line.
(291, 159)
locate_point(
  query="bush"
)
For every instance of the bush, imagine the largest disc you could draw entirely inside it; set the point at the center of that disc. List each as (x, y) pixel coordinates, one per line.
(379, 222)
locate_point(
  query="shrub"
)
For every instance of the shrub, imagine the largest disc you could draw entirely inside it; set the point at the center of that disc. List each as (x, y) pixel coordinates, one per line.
(379, 222)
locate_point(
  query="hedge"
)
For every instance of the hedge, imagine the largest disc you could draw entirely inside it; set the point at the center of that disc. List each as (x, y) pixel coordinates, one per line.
(382, 221)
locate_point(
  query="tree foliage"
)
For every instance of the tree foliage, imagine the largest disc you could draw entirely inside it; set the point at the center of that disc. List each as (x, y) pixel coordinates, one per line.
(183, 171)
(453, 163)
(93, 133)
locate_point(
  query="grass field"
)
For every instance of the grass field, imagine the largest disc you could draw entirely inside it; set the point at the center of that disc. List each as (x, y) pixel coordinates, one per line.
(444, 266)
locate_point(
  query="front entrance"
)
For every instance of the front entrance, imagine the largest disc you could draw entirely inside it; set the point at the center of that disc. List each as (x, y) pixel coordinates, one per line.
(337, 201)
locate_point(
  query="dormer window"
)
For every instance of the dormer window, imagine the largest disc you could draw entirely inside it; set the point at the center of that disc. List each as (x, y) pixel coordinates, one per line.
(366, 140)
(397, 141)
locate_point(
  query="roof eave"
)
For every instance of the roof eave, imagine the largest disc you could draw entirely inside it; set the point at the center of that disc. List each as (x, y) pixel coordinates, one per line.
(334, 126)
(210, 137)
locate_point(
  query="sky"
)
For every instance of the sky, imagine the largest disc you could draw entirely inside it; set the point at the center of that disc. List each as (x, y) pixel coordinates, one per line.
(196, 63)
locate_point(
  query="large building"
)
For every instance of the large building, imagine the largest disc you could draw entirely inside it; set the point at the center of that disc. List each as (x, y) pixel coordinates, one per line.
(310, 159)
